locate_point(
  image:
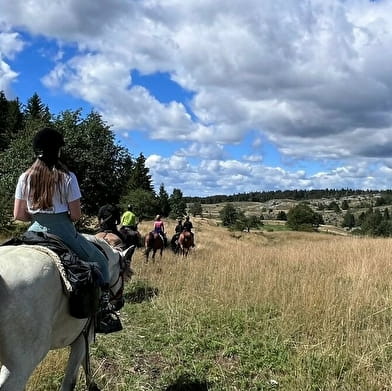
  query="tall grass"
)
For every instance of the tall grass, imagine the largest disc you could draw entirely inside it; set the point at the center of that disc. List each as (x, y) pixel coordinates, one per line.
(250, 311)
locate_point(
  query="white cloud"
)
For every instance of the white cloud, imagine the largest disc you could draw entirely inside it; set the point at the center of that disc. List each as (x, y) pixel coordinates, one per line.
(311, 77)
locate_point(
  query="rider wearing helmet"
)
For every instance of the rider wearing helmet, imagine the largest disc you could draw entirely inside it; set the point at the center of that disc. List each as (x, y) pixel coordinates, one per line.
(48, 195)
(188, 227)
(179, 228)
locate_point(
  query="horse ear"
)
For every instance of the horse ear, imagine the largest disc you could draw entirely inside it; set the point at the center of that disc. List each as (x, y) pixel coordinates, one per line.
(127, 254)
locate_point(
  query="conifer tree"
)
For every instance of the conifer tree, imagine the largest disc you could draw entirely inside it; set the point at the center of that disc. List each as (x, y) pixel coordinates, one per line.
(163, 201)
(140, 176)
(177, 204)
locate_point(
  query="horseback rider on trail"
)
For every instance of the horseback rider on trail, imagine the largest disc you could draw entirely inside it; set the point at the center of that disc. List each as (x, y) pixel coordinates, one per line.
(109, 217)
(187, 226)
(159, 228)
(128, 228)
(179, 228)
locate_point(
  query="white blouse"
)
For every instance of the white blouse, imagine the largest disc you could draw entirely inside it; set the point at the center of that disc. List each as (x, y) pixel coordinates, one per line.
(70, 191)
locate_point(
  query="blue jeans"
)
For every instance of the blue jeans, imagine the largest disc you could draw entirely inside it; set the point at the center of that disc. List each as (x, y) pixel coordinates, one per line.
(60, 224)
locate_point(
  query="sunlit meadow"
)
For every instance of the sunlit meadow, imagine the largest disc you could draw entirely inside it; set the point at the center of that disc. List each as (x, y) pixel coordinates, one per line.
(250, 311)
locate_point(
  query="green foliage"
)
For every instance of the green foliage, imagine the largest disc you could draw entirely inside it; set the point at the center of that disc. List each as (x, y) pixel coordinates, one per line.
(281, 216)
(177, 204)
(36, 110)
(163, 201)
(140, 177)
(228, 215)
(345, 205)
(302, 218)
(102, 167)
(11, 121)
(144, 203)
(375, 223)
(334, 206)
(348, 220)
(196, 209)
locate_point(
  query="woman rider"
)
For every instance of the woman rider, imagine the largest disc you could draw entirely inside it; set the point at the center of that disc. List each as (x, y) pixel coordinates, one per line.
(48, 194)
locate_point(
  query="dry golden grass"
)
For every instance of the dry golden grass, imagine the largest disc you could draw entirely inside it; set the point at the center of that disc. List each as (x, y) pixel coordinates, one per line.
(329, 298)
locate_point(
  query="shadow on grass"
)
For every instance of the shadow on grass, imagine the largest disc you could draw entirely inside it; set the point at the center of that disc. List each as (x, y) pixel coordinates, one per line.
(183, 383)
(140, 293)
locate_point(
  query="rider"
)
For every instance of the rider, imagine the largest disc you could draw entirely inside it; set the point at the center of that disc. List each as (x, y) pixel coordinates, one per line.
(128, 219)
(188, 228)
(109, 217)
(159, 228)
(48, 195)
(179, 228)
(129, 228)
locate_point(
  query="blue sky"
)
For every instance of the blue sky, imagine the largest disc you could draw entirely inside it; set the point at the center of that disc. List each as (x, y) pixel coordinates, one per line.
(222, 96)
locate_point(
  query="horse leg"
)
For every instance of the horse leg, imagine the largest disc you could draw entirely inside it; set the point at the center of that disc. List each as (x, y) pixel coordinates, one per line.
(77, 357)
(14, 380)
(20, 356)
(17, 370)
(146, 254)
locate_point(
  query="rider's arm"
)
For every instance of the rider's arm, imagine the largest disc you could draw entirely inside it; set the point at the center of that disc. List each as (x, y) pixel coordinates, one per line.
(20, 210)
(74, 210)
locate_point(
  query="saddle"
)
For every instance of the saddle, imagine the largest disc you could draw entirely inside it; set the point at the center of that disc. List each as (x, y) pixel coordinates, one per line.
(83, 279)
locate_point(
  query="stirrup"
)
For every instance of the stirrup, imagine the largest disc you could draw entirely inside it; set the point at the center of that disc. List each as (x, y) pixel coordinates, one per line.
(107, 321)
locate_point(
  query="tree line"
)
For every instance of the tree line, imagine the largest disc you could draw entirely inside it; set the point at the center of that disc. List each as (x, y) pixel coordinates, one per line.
(107, 172)
(264, 196)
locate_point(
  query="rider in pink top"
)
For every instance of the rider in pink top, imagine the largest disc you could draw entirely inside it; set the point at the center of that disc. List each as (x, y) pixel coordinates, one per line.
(159, 228)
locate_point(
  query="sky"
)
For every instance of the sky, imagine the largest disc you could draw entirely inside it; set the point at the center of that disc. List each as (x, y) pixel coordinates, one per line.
(220, 96)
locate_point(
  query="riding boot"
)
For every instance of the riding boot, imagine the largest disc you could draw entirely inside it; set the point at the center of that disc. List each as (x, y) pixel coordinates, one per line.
(107, 319)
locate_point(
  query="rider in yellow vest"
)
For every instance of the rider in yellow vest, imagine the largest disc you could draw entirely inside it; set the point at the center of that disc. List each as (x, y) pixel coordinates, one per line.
(128, 219)
(129, 228)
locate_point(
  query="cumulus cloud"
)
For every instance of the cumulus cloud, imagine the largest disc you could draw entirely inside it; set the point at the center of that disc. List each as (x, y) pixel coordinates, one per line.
(311, 77)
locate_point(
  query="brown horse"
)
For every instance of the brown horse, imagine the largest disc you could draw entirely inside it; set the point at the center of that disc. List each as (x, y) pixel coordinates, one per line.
(185, 242)
(112, 239)
(153, 242)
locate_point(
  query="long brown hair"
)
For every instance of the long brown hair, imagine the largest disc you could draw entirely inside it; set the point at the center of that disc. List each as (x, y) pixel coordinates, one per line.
(43, 182)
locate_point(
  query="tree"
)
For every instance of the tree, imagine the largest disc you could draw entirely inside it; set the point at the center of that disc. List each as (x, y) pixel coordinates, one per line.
(163, 201)
(36, 110)
(144, 203)
(302, 218)
(102, 167)
(345, 205)
(281, 215)
(177, 204)
(228, 215)
(334, 206)
(140, 176)
(196, 209)
(11, 121)
(348, 220)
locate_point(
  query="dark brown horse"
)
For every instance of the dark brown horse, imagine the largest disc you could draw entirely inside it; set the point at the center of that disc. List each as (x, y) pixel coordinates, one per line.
(185, 242)
(153, 242)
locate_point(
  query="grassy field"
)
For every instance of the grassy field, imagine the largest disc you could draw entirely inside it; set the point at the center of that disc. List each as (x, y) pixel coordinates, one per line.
(250, 311)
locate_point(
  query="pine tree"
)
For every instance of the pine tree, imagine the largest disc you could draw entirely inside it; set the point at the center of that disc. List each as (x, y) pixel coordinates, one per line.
(140, 176)
(163, 201)
(36, 110)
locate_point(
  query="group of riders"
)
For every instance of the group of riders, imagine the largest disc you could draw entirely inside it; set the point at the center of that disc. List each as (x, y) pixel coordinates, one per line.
(110, 217)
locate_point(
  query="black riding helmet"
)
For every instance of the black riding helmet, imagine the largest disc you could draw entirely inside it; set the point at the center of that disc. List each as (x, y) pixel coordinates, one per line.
(46, 144)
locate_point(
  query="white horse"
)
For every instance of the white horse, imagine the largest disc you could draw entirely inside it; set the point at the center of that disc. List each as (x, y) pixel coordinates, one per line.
(34, 314)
